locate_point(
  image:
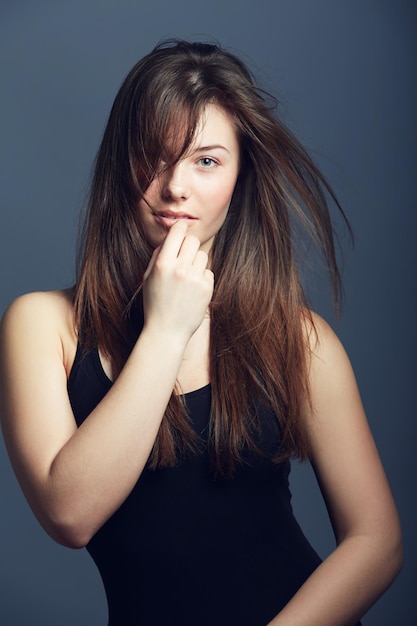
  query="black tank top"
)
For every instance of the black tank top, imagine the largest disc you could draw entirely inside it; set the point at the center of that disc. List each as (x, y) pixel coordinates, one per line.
(187, 549)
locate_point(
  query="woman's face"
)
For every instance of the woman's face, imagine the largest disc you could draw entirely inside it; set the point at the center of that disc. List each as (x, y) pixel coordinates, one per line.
(199, 187)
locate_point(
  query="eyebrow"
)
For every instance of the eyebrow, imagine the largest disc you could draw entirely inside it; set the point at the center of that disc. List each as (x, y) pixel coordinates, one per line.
(213, 147)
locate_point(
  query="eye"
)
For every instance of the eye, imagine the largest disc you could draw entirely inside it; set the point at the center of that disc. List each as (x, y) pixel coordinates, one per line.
(207, 162)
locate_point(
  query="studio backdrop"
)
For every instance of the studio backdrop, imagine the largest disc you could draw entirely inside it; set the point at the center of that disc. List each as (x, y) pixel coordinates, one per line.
(344, 76)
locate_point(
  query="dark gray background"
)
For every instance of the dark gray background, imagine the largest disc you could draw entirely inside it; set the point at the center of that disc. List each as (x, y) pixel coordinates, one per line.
(344, 73)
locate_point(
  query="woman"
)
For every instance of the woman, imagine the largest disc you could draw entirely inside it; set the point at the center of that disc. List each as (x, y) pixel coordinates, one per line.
(151, 412)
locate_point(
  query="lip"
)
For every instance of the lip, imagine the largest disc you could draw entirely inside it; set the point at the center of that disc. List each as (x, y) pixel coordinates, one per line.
(168, 218)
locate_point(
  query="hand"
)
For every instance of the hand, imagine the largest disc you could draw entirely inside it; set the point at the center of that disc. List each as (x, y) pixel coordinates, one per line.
(177, 284)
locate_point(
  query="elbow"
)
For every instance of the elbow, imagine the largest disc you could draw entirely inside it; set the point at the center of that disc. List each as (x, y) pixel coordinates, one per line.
(66, 518)
(397, 556)
(70, 533)
(396, 551)
(69, 537)
(391, 547)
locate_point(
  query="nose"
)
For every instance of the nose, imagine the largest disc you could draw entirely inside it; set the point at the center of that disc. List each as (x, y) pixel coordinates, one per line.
(175, 185)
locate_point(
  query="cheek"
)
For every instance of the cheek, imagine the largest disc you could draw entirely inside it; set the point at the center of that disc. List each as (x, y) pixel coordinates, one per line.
(219, 209)
(221, 196)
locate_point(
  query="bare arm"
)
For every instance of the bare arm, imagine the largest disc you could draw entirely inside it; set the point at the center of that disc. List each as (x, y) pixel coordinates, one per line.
(369, 554)
(75, 478)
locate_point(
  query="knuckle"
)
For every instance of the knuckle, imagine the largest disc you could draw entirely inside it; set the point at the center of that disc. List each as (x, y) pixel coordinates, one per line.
(193, 240)
(203, 256)
(181, 272)
(161, 266)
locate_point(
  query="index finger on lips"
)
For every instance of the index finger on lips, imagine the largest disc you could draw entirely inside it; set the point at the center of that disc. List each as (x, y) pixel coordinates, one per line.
(173, 242)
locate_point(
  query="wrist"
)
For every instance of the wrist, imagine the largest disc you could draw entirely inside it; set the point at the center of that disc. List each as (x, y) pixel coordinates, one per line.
(167, 340)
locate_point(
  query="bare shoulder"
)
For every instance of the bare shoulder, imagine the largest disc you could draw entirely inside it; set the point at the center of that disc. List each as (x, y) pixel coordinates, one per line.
(323, 345)
(45, 317)
(321, 339)
(332, 381)
(37, 310)
(51, 303)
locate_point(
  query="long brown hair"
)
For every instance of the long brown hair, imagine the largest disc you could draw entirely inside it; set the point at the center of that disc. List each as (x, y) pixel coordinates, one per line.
(257, 342)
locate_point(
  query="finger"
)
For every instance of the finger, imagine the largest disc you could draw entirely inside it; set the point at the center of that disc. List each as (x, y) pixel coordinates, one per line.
(200, 260)
(209, 277)
(173, 241)
(151, 262)
(189, 249)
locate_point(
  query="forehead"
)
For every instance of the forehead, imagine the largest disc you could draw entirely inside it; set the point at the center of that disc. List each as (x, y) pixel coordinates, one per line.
(214, 127)
(215, 121)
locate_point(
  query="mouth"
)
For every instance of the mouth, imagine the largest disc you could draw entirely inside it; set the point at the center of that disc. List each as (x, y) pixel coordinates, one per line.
(168, 218)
